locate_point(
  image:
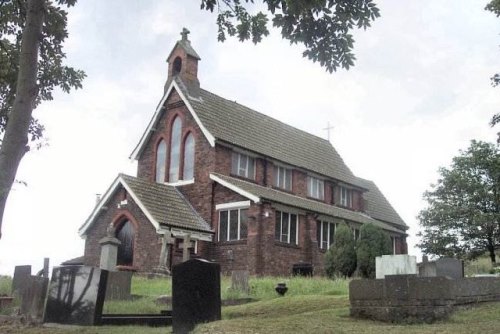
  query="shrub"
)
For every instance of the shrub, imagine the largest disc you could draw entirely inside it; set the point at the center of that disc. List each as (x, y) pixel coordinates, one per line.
(340, 259)
(373, 242)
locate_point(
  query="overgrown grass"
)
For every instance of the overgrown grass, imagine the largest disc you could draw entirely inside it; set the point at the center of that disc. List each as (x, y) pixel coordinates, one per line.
(481, 265)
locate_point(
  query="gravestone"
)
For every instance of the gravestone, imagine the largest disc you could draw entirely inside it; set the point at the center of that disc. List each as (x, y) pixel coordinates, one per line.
(239, 280)
(33, 297)
(447, 267)
(76, 295)
(118, 285)
(21, 279)
(195, 294)
(395, 265)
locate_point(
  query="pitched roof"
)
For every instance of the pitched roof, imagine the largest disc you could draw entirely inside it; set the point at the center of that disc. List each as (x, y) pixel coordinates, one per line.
(377, 206)
(256, 192)
(238, 125)
(162, 204)
(186, 45)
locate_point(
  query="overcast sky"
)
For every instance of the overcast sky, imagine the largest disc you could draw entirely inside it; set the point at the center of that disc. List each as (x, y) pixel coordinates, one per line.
(419, 92)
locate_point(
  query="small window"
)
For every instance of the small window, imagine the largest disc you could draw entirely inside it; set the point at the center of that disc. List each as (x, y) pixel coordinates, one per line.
(325, 234)
(243, 165)
(356, 234)
(175, 150)
(286, 228)
(161, 160)
(176, 68)
(346, 197)
(282, 178)
(188, 171)
(315, 188)
(233, 224)
(125, 233)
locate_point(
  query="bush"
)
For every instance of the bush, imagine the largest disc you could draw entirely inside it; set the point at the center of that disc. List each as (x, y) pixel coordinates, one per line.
(373, 242)
(340, 259)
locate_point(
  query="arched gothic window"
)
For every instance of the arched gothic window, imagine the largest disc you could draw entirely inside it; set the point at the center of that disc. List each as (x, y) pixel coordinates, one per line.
(175, 150)
(125, 233)
(161, 161)
(188, 171)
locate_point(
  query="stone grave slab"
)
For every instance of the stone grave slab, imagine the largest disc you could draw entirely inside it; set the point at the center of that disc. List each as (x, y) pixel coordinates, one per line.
(33, 297)
(239, 280)
(195, 294)
(76, 295)
(21, 279)
(118, 285)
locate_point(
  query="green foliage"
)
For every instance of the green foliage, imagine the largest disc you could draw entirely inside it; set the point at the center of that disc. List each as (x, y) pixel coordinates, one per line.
(322, 26)
(5, 285)
(52, 72)
(373, 242)
(340, 259)
(463, 214)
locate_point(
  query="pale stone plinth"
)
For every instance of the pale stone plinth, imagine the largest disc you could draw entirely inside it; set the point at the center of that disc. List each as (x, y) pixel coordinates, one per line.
(109, 253)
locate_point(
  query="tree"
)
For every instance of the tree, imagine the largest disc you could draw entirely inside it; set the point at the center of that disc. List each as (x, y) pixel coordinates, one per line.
(463, 214)
(341, 257)
(32, 35)
(494, 7)
(372, 242)
(322, 26)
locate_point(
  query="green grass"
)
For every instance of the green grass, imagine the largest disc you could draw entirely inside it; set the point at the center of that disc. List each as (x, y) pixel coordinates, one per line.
(5, 285)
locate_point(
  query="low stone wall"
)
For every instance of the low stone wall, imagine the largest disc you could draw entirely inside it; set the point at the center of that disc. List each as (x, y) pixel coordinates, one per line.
(408, 298)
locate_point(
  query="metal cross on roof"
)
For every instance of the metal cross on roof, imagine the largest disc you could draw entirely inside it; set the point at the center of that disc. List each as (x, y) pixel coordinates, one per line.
(184, 34)
(328, 128)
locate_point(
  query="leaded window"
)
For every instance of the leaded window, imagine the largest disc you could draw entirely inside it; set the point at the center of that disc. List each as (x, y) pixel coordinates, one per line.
(175, 150)
(188, 171)
(161, 160)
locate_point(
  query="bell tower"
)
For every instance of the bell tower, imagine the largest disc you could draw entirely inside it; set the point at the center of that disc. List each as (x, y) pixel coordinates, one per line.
(183, 62)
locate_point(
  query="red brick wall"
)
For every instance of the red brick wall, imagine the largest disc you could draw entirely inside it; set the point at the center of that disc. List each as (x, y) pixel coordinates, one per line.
(189, 69)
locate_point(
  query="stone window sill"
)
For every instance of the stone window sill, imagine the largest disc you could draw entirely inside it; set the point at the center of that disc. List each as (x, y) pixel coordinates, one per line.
(233, 242)
(286, 245)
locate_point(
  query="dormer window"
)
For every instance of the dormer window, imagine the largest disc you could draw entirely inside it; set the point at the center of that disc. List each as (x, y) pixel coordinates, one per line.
(177, 66)
(282, 178)
(315, 188)
(346, 197)
(243, 165)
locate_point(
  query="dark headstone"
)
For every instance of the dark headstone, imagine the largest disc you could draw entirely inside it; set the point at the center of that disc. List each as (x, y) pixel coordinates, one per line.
(33, 297)
(21, 279)
(449, 267)
(239, 280)
(195, 294)
(76, 295)
(118, 286)
(302, 269)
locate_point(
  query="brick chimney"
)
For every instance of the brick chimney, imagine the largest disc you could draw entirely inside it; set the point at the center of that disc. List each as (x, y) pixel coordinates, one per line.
(183, 62)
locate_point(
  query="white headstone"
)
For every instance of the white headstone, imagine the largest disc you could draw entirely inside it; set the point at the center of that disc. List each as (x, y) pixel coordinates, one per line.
(395, 265)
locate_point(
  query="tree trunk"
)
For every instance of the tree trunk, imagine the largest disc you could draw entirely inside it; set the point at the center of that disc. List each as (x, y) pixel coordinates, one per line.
(491, 250)
(15, 140)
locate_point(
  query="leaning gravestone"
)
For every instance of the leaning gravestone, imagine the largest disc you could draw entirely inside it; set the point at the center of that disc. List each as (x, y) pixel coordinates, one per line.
(21, 279)
(76, 295)
(195, 294)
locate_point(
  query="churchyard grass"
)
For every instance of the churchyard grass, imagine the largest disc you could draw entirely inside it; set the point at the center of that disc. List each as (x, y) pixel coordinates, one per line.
(5, 285)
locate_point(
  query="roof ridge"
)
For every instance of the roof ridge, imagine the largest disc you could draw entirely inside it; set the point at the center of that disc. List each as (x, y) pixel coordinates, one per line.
(267, 116)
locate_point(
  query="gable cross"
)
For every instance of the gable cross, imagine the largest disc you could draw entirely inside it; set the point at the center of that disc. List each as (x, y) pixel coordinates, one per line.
(328, 128)
(184, 34)
(186, 245)
(164, 253)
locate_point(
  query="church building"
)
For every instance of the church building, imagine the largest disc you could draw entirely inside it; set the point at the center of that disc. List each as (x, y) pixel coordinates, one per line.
(232, 185)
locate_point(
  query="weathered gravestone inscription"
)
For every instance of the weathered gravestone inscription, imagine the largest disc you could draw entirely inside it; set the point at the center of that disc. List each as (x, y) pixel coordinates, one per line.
(239, 280)
(21, 279)
(76, 295)
(195, 294)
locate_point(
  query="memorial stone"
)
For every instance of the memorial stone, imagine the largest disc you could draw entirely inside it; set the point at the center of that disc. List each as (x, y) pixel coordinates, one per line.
(21, 279)
(118, 285)
(76, 295)
(395, 265)
(239, 280)
(33, 297)
(195, 294)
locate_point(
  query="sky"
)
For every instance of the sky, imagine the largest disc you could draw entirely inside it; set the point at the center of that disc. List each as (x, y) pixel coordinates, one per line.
(419, 92)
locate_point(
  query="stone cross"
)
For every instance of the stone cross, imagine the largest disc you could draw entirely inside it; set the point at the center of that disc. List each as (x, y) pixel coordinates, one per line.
(164, 255)
(186, 245)
(109, 249)
(327, 129)
(184, 34)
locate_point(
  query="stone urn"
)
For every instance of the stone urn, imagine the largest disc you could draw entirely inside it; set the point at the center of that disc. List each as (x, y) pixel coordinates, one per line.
(281, 289)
